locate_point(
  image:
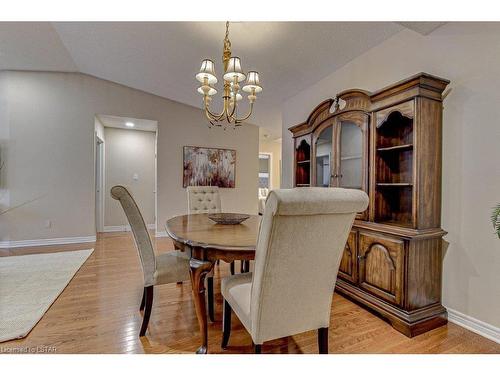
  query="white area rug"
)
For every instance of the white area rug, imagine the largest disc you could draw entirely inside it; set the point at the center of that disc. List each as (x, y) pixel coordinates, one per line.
(29, 284)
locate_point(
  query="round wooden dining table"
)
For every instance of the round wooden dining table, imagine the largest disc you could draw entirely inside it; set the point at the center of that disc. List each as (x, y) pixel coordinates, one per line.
(208, 243)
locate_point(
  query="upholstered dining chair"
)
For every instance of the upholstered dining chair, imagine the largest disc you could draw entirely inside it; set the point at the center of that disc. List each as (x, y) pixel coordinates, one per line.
(206, 200)
(203, 200)
(160, 269)
(302, 236)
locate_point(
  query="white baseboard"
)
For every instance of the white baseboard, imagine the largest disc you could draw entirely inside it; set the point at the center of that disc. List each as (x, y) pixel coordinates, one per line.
(124, 228)
(161, 234)
(46, 241)
(472, 324)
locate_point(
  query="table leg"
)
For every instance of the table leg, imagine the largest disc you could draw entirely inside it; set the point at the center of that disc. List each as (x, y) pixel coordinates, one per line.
(198, 271)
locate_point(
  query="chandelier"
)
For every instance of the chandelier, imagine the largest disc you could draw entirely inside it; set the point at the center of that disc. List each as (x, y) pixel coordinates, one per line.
(233, 75)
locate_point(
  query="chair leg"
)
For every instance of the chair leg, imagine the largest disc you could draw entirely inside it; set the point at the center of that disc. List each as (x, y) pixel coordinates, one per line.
(246, 266)
(148, 304)
(226, 324)
(242, 266)
(210, 296)
(323, 340)
(231, 267)
(143, 301)
(258, 349)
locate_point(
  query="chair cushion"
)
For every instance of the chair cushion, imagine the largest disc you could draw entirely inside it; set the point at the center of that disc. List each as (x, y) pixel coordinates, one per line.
(171, 267)
(236, 291)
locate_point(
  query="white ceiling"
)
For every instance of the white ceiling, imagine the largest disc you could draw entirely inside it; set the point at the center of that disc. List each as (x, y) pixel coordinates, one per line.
(120, 123)
(163, 57)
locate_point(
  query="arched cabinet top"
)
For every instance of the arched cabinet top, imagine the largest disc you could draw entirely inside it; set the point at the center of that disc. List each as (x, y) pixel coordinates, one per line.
(418, 85)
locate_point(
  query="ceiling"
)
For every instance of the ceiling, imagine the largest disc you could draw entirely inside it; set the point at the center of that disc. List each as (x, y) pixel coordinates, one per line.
(163, 57)
(121, 123)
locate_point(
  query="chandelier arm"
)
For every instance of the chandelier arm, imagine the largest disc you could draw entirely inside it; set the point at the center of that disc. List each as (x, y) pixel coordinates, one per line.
(213, 116)
(231, 115)
(247, 116)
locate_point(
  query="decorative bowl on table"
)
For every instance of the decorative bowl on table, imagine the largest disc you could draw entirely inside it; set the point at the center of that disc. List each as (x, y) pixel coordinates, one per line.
(228, 218)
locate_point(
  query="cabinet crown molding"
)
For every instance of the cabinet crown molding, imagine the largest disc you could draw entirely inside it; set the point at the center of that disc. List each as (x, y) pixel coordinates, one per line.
(420, 84)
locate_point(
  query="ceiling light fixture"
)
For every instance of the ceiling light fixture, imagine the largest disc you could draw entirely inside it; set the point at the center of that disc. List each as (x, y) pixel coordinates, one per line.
(129, 124)
(233, 75)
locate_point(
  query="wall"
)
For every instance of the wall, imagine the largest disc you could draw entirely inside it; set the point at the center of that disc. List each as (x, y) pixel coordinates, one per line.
(51, 143)
(130, 152)
(273, 147)
(4, 137)
(468, 55)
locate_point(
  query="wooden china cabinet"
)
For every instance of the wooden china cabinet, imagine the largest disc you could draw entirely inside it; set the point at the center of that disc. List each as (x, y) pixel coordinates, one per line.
(387, 143)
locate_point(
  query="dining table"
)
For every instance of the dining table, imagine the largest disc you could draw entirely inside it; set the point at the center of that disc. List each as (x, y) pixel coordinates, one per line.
(209, 242)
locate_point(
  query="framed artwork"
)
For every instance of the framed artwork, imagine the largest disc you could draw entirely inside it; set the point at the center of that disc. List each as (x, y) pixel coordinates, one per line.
(205, 166)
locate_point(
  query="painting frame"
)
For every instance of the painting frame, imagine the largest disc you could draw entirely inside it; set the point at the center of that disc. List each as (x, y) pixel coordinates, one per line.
(224, 175)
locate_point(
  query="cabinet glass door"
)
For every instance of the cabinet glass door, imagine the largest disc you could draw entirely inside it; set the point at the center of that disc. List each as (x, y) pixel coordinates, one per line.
(323, 157)
(350, 171)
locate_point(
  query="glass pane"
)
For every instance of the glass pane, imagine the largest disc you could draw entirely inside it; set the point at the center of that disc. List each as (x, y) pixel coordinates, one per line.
(324, 157)
(351, 153)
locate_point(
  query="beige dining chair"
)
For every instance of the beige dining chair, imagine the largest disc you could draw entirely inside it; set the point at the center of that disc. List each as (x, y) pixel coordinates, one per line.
(302, 236)
(160, 269)
(206, 200)
(203, 200)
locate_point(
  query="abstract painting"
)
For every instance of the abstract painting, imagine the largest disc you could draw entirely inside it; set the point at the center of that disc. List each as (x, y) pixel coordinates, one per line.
(209, 167)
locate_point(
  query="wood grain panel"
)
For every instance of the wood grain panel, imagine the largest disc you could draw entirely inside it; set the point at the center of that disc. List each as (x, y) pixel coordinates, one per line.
(348, 269)
(381, 260)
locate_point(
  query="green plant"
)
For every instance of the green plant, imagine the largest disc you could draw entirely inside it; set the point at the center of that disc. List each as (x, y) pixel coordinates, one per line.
(495, 219)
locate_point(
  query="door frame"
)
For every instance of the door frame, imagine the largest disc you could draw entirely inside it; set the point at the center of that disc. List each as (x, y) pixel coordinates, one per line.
(99, 184)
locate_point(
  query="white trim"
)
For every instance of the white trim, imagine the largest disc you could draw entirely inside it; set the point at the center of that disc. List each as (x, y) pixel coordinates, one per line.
(162, 234)
(472, 324)
(124, 228)
(46, 241)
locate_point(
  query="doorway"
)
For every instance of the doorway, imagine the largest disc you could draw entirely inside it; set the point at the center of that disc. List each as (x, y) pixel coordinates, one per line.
(128, 158)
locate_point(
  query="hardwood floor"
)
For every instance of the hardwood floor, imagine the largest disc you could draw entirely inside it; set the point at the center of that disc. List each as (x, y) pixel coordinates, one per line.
(99, 313)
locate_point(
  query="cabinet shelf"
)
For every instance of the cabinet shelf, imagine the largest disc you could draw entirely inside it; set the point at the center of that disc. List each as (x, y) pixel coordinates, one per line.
(303, 161)
(303, 185)
(405, 147)
(352, 157)
(394, 184)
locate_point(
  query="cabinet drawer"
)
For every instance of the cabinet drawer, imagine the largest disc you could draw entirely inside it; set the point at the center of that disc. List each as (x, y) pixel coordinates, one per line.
(349, 264)
(381, 266)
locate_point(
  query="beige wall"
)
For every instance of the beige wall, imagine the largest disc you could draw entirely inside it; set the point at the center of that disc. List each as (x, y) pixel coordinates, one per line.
(273, 147)
(129, 153)
(468, 55)
(50, 120)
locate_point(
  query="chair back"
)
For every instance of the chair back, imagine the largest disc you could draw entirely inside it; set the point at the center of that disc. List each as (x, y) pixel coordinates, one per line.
(139, 231)
(301, 240)
(203, 200)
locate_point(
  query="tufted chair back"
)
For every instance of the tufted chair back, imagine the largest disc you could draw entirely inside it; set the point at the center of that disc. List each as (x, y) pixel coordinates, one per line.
(203, 200)
(139, 230)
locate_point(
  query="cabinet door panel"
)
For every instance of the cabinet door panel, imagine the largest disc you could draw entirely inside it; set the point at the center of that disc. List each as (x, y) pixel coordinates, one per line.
(351, 140)
(348, 265)
(381, 262)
